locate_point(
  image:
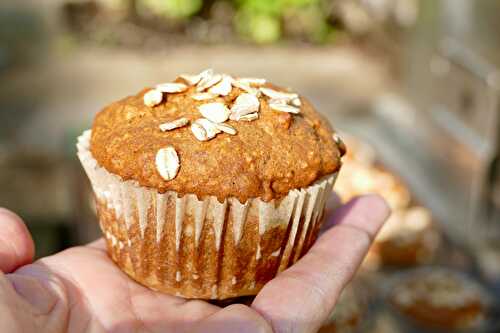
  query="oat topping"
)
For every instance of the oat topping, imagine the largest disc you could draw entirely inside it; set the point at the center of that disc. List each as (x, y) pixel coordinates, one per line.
(246, 87)
(216, 112)
(167, 162)
(171, 87)
(296, 102)
(203, 96)
(224, 87)
(252, 81)
(279, 95)
(206, 73)
(284, 108)
(210, 128)
(226, 129)
(243, 105)
(249, 117)
(199, 132)
(282, 101)
(204, 130)
(208, 81)
(191, 79)
(208, 86)
(153, 98)
(177, 123)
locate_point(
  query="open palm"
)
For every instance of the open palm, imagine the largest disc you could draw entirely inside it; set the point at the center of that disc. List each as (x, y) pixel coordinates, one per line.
(81, 290)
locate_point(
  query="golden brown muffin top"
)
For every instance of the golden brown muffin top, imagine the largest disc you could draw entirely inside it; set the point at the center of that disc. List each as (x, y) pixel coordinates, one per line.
(273, 142)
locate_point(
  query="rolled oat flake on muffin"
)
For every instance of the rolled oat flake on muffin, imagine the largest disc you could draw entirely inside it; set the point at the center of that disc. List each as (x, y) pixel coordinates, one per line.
(216, 112)
(252, 80)
(199, 132)
(248, 117)
(217, 209)
(177, 123)
(224, 86)
(191, 79)
(167, 162)
(171, 87)
(153, 97)
(203, 96)
(208, 81)
(246, 87)
(244, 104)
(210, 127)
(296, 102)
(284, 108)
(226, 129)
(279, 95)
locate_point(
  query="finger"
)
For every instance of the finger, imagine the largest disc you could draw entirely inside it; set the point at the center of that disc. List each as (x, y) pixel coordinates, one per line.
(98, 244)
(301, 298)
(234, 318)
(333, 203)
(357, 213)
(16, 245)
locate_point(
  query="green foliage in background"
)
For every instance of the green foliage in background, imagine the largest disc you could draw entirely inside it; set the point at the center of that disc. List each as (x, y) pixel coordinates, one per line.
(259, 27)
(266, 21)
(260, 21)
(173, 8)
(308, 22)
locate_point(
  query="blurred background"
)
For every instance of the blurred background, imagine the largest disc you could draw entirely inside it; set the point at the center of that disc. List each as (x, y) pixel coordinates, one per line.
(414, 86)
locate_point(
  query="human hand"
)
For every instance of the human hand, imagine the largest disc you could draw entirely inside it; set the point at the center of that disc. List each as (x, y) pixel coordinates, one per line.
(81, 289)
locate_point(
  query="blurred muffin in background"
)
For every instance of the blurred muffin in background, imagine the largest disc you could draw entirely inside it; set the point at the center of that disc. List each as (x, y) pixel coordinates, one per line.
(409, 237)
(347, 315)
(439, 298)
(361, 174)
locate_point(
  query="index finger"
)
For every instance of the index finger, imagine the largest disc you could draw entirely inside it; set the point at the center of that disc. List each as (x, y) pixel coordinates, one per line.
(301, 297)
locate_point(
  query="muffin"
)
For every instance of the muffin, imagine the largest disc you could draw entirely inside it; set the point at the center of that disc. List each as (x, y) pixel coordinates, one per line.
(410, 236)
(208, 186)
(364, 175)
(439, 298)
(348, 314)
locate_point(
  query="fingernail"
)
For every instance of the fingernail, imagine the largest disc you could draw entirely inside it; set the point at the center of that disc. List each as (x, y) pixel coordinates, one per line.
(33, 292)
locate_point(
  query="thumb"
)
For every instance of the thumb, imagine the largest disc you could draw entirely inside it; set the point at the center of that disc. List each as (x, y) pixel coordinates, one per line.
(16, 245)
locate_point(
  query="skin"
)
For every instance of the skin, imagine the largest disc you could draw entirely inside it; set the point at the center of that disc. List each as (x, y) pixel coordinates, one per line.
(81, 290)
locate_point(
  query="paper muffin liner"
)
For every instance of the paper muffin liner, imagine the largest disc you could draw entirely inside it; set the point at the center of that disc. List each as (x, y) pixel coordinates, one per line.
(202, 248)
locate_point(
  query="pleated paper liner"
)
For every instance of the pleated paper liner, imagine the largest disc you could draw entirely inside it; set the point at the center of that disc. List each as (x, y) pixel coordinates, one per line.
(204, 249)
